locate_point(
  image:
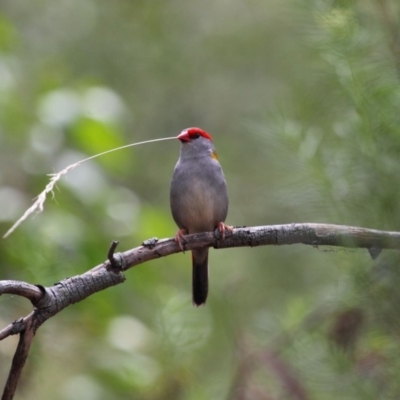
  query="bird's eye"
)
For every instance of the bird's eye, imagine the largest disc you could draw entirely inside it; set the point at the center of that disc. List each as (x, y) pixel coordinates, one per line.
(195, 135)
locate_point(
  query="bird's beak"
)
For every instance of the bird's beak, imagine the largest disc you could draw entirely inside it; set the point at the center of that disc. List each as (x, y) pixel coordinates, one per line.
(184, 136)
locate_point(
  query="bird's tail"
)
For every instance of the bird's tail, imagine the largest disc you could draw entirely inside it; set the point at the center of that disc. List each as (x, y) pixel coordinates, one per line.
(200, 276)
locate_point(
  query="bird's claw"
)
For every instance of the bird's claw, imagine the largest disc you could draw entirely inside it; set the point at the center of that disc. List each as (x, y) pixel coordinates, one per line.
(179, 238)
(222, 228)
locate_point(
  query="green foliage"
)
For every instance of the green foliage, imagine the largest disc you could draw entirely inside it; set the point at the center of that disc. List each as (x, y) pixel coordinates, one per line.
(301, 98)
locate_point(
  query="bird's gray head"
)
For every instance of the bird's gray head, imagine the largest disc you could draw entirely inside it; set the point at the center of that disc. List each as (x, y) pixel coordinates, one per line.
(195, 142)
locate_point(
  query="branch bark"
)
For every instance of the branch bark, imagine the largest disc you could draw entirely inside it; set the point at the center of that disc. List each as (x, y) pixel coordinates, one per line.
(49, 301)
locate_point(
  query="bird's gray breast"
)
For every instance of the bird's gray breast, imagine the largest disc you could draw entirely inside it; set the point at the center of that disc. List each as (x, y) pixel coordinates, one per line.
(199, 197)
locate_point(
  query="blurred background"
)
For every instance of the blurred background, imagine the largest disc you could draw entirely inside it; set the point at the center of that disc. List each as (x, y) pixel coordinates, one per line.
(302, 98)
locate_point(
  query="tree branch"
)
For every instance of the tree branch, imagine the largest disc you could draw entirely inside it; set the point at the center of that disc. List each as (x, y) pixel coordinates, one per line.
(31, 292)
(49, 301)
(308, 233)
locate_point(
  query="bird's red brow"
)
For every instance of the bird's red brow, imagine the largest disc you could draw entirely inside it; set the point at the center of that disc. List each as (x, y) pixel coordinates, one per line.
(198, 131)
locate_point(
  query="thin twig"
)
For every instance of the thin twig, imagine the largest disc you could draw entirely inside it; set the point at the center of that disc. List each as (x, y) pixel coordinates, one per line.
(31, 292)
(115, 265)
(19, 359)
(14, 328)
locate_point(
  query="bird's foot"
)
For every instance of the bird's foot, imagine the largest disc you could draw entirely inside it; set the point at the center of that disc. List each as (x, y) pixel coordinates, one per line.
(179, 238)
(222, 228)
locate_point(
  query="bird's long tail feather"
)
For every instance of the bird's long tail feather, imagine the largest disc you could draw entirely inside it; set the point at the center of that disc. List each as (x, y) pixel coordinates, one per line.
(200, 276)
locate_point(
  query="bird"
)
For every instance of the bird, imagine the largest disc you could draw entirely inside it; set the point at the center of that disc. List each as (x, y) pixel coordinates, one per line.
(198, 200)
